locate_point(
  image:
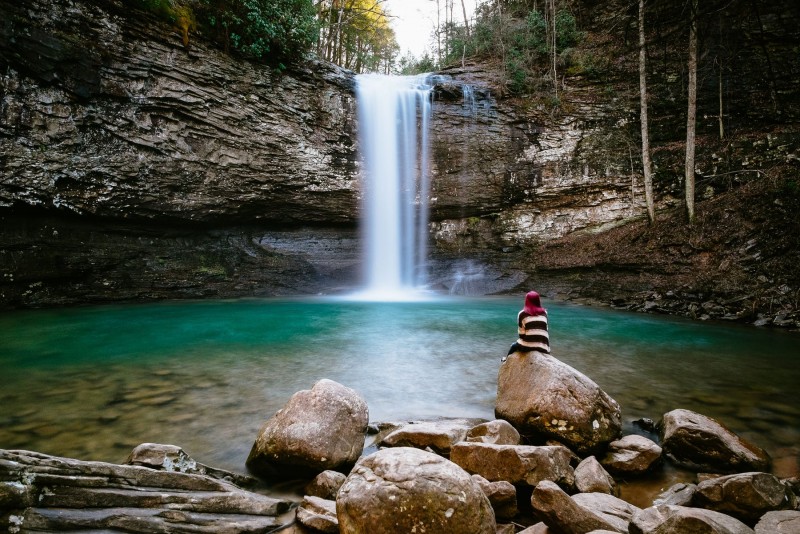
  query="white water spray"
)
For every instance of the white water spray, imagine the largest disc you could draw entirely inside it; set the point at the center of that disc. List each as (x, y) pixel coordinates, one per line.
(393, 117)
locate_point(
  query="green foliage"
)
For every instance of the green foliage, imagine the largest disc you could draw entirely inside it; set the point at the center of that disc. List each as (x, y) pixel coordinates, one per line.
(520, 36)
(276, 31)
(409, 64)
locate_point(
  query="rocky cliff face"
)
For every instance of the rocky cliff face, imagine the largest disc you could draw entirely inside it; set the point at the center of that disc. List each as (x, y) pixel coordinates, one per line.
(135, 168)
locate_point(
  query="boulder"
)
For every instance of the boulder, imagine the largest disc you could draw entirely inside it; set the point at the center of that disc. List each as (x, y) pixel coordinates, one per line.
(745, 496)
(438, 435)
(173, 458)
(325, 485)
(318, 514)
(671, 519)
(544, 398)
(517, 464)
(497, 432)
(631, 455)
(404, 489)
(563, 514)
(53, 494)
(318, 429)
(616, 511)
(537, 528)
(702, 444)
(502, 496)
(591, 477)
(680, 494)
(783, 522)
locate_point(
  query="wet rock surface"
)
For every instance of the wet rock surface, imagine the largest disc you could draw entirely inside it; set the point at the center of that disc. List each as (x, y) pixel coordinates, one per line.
(318, 429)
(701, 442)
(546, 399)
(402, 489)
(48, 493)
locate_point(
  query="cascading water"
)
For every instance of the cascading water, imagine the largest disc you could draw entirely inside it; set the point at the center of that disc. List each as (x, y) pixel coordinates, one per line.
(393, 116)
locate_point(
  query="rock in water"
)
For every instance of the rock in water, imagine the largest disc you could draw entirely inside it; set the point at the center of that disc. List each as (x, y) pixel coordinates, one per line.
(699, 442)
(404, 489)
(318, 429)
(545, 398)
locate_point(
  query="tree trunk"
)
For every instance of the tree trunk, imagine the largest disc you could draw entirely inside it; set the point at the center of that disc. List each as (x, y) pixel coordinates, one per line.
(646, 164)
(555, 51)
(466, 20)
(691, 115)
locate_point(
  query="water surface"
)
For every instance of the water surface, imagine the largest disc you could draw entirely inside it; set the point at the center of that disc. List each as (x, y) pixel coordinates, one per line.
(93, 382)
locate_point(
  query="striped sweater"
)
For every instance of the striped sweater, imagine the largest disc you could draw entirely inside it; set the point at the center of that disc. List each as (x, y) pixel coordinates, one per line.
(532, 333)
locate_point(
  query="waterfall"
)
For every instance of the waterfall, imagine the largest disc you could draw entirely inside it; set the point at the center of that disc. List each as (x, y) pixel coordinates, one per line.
(393, 117)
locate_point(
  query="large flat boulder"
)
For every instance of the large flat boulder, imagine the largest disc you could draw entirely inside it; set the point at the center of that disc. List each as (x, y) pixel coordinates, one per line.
(318, 429)
(517, 464)
(404, 489)
(438, 435)
(703, 444)
(544, 398)
(46, 493)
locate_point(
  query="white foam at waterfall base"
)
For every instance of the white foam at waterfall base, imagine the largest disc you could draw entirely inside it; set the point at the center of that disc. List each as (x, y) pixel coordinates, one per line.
(393, 117)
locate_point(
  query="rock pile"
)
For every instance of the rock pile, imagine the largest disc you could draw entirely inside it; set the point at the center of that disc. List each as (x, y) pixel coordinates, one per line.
(545, 466)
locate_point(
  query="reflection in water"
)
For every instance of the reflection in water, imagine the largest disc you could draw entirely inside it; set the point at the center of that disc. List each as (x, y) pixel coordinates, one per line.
(92, 383)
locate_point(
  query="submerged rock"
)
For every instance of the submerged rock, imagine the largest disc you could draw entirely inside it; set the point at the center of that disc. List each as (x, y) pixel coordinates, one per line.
(404, 489)
(701, 443)
(545, 398)
(318, 429)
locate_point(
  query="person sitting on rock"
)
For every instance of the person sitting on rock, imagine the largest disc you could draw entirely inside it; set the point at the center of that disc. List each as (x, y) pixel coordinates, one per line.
(532, 327)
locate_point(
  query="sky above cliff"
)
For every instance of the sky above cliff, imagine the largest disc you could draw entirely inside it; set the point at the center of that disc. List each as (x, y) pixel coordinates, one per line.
(414, 22)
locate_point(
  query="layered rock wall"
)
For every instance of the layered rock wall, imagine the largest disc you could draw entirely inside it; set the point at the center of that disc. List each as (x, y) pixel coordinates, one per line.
(134, 167)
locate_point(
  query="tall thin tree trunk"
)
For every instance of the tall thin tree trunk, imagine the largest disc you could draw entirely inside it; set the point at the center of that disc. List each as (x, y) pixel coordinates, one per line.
(555, 52)
(721, 116)
(439, 31)
(466, 20)
(466, 29)
(691, 114)
(646, 164)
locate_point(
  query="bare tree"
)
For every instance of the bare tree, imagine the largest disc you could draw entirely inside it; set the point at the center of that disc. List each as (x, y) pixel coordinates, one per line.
(691, 114)
(646, 163)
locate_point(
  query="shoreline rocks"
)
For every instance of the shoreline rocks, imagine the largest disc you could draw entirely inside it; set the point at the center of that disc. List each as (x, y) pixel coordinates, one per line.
(494, 481)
